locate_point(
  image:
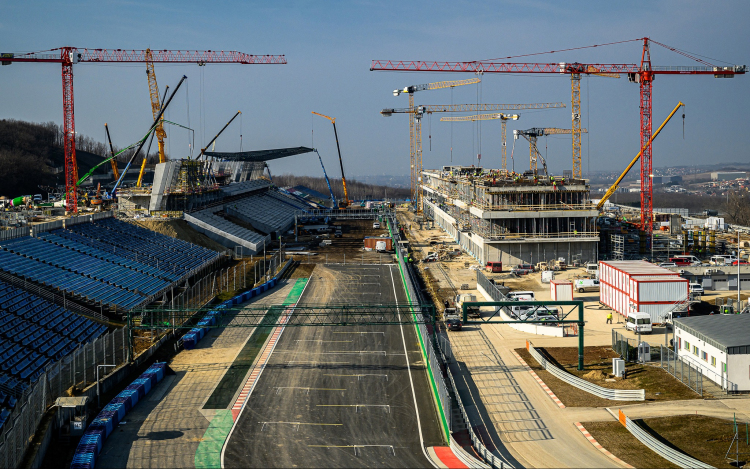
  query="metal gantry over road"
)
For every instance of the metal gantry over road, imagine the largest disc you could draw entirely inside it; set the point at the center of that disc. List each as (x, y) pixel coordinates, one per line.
(272, 315)
(540, 306)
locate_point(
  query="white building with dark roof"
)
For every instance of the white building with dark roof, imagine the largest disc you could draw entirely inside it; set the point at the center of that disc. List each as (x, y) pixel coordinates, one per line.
(719, 345)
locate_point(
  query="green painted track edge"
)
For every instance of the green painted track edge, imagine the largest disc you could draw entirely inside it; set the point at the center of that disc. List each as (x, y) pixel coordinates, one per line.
(218, 430)
(425, 357)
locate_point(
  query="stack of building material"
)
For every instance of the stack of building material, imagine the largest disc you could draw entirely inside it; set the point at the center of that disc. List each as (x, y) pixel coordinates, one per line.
(628, 286)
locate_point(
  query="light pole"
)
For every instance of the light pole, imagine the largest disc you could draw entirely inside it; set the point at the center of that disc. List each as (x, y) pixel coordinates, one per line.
(738, 269)
(98, 404)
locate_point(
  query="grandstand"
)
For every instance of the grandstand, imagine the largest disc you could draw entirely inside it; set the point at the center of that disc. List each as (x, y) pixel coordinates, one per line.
(266, 211)
(107, 262)
(33, 333)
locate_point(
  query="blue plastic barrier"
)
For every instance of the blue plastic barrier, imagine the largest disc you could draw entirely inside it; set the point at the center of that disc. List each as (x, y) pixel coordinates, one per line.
(105, 422)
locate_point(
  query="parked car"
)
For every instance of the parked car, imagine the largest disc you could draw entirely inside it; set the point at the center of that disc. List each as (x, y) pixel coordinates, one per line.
(541, 313)
(522, 269)
(338, 233)
(494, 266)
(739, 262)
(667, 265)
(452, 320)
(376, 225)
(696, 288)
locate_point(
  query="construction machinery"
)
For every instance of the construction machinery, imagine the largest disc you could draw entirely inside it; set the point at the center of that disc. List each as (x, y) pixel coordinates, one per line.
(68, 56)
(113, 160)
(203, 150)
(328, 183)
(160, 125)
(153, 91)
(344, 203)
(642, 74)
(613, 188)
(503, 124)
(415, 131)
(532, 134)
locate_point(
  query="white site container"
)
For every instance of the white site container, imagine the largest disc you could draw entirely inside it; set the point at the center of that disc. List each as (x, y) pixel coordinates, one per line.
(616, 290)
(547, 276)
(561, 290)
(656, 295)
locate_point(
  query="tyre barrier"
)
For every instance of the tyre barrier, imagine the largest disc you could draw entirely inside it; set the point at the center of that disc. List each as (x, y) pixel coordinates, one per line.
(194, 335)
(111, 415)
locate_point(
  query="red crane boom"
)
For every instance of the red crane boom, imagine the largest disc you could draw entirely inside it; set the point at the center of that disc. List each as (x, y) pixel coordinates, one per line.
(67, 56)
(642, 74)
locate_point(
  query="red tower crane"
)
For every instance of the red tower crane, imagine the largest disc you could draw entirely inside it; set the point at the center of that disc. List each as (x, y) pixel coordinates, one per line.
(642, 74)
(67, 56)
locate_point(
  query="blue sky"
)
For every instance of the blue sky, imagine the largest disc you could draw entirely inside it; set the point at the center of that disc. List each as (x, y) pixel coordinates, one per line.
(329, 46)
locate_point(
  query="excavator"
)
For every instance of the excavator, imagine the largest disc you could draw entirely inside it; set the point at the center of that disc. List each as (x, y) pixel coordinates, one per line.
(342, 203)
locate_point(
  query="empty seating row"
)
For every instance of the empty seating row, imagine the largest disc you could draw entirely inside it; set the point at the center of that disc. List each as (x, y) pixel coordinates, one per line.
(59, 237)
(83, 264)
(245, 186)
(268, 212)
(166, 253)
(207, 216)
(93, 290)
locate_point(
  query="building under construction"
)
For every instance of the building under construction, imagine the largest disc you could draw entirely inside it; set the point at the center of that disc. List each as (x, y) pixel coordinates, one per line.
(512, 218)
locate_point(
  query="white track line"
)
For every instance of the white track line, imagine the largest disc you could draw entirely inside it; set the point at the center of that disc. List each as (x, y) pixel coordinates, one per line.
(408, 369)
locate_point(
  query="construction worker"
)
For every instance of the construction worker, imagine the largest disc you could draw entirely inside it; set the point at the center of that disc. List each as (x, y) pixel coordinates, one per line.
(609, 317)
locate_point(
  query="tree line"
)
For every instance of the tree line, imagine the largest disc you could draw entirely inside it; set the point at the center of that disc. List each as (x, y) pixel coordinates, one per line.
(356, 190)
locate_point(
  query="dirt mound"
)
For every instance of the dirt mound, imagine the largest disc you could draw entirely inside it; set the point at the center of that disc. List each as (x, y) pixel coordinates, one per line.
(181, 230)
(595, 375)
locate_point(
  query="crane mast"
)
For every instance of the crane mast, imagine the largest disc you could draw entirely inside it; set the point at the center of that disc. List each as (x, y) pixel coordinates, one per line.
(346, 201)
(503, 125)
(67, 56)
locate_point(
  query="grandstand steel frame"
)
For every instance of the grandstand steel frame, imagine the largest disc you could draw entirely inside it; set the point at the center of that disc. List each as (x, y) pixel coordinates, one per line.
(271, 315)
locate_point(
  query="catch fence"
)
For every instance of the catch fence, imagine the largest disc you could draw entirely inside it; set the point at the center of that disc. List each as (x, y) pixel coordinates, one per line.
(76, 369)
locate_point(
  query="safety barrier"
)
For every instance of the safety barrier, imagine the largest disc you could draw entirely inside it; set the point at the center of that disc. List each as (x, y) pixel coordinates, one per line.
(438, 370)
(582, 384)
(103, 425)
(670, 454)
(192, 337)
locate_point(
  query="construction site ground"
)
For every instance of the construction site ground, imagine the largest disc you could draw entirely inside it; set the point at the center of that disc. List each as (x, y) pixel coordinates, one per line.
(507, 405)
(348, 249)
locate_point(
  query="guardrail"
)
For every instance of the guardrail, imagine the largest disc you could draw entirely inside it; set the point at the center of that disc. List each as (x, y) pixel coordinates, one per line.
(670, 454)
(582, 384)
(438, 370)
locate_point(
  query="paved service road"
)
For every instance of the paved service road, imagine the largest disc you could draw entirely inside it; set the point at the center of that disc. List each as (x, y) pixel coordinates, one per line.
(340, 396)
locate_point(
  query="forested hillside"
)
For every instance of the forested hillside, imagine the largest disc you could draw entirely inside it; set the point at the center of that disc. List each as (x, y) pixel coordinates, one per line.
(30, 152)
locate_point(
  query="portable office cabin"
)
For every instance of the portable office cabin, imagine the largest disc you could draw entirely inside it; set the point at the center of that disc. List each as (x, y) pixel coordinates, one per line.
(615, 287)
(561, 290)
(719, 345)
(656, 295)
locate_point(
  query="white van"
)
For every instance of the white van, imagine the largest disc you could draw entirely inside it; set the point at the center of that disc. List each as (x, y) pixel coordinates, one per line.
(586, 284)
(639, 322)
(724, 259)
(592, 269)
(521, 295)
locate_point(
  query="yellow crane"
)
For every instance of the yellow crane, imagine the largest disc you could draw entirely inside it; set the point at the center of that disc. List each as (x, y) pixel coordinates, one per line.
(153, 89)
(345, 202)
(415, 130)
(616, 184)
(575, 104)
(481, 117)
(532, 134)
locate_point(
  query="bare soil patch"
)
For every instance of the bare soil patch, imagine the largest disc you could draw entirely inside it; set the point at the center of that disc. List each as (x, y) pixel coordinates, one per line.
(181, 230)
(658, 384)
(703, 438)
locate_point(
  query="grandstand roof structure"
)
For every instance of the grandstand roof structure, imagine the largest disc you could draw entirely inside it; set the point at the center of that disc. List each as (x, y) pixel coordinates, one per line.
(260, 155)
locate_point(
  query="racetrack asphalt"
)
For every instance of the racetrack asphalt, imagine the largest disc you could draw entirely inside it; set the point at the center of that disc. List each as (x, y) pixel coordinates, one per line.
(341, 396)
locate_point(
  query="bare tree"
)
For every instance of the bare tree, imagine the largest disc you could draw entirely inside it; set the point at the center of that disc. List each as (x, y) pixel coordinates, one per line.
(737, 208)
